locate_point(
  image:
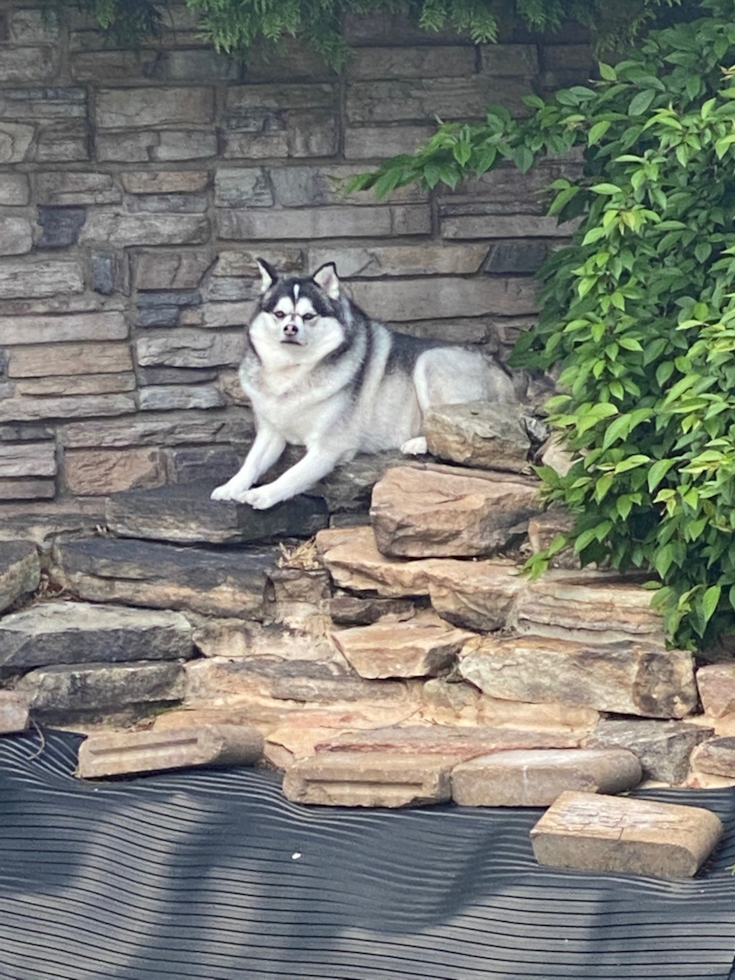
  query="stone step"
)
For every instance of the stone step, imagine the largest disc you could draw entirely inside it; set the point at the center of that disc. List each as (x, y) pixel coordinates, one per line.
(123, 753)
(61, 632)
(185, 514)
(421, 647)
(537, 777)
(625, 677)
(716, 683)
(450, 512)
(14, 712)
(589, 832)
(20, 571)
(214, 582)
(481, 434)
(663, 748)
(380, 779)
(716, 756)
(71, 691)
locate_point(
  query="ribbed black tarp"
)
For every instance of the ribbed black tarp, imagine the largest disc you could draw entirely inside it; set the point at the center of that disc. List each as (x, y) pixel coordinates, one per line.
(215, 876)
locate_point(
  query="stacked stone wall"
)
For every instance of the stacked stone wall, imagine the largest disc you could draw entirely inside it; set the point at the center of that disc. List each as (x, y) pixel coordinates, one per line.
(137, 187)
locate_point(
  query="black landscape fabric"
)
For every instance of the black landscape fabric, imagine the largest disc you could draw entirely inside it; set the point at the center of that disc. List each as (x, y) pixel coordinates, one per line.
(213, 875)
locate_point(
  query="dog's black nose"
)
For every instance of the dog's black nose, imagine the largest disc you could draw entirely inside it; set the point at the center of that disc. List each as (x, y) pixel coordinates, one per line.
(290, 330)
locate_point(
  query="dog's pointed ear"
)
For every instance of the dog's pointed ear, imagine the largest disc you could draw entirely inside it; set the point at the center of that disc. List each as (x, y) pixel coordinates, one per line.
(327, 280)
(268, 275)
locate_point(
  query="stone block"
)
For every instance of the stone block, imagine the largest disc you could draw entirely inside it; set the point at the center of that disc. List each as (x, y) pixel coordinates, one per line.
(77, 632)
(74, 406)
(716, 684)
(429, 298)
(333, 222)
(26, 433)
(62, 142)
(31, 25)
(373, 29)
(506, 183)
(537, 777)
(578, 57)
(589, 832)
(544, 528)
(217, 315)
(255, 145)
(23, 65)
(43, 102)
(91, 384)
(516, 257)
(381, 779)
(14, 712)
(67, 187)
(380, 142)
(168, 203)
(15, 236)
(70, 690)
(175, 145)
(20, 571)
(110, 272)
(146, 573)
(355, 563)
(166, 398)
(170, 270)
(58, 329)
(165, 181)
(14, 188)
(152, 107)
(716, 756)
(201, 464)
(349, 610)
(15, 489)
(242, 262)
(303, 186)
(422, 647)
(69, 359)
(234, 428)
(499, 60)
(108, 67)
(662, 747)
(60, 227)
(15, 141)
(419, 513)
(122, 753)
(400, 260)
(126, 147)
(184, 514)
(121, 229)
(625, 677)
(420, 99)
(196, 65)
(25, 279)
(28, 459)
(479, 434)
(493, 225)
(249, 99)
(91, 472)
(418, 62)
(191, 349)
(242, 187)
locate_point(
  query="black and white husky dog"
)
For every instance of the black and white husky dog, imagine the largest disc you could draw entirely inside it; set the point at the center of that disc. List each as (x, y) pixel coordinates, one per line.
(321, 374)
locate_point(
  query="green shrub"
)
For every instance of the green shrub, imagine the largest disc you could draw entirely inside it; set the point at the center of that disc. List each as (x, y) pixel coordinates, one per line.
(639, 312)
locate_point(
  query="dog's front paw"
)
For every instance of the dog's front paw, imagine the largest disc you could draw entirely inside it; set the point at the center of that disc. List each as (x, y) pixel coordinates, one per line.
(415, 447)
(228, 491)
(262, 498)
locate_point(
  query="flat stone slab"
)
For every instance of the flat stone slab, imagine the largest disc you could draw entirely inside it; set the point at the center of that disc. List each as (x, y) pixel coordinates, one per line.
(221, 582)
(449, 512)
(378, 780)
(20, 571)
(14, 712)
(589, 832)
(716, 684)
(184, 514)
(123, 753)
(662, 747)
(537, 777)
(455, 742)
(625, 677)
(421, 647)
(716, 756)
(483, 434)
(71, 689)
(348, 610)
(78, 632)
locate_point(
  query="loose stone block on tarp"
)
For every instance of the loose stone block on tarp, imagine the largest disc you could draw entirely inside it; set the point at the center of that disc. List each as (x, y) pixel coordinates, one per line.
(72, 689)
(624, 677)
(483, 434)
(421, 647)
(589, 832)
(185, 514)
(214, 582)
(663, 747)
(716, 683)
(449, 512)
(378, 779)
(537, 777)
(14, 712)
(716, 756)
(123, 753)
(78, 632)
(20, 571)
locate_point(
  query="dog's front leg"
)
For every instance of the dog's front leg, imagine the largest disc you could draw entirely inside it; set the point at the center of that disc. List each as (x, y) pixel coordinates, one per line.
(317, 463)
(264, 452)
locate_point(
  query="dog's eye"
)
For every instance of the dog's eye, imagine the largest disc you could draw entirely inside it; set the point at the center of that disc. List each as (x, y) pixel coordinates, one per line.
(309, 316)
(279, 314)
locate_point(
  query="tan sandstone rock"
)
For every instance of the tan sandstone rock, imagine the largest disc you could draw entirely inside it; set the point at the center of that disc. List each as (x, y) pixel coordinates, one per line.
(537, 777)
(716, 684)
(489, 436)
(589, 832)
(14, 712)
(354, 562)
(716, 756)
(20, 571)
(420, 513)
(476, 595)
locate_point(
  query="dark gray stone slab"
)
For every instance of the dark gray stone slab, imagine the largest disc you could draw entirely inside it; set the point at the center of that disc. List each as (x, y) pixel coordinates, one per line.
(185, 514)
(61, 226)
(222, 582)
(20, 571)
(348, 487)
(663, 747)
(51, 633)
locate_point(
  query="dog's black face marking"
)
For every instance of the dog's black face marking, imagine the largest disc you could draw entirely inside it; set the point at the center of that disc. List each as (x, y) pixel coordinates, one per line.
(307, 289)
